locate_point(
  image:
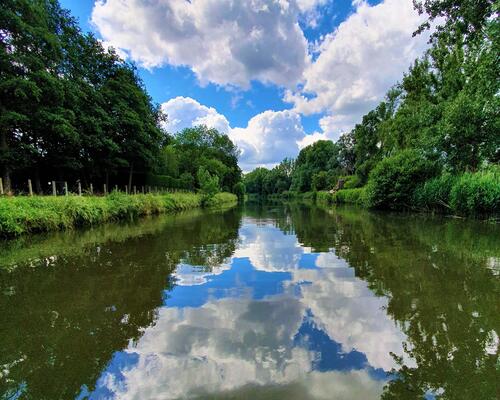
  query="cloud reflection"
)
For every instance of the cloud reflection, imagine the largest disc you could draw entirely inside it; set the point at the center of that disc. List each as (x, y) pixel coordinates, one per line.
(322, 335)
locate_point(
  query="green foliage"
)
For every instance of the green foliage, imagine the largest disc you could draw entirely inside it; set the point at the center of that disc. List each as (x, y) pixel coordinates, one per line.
(321, 181)
(209, 184)
(324, 198)
(477, 193)
(394, 179)
(165, 181)
(434, 194)
(239, 191)
(20, 215)
(221, 199)
(320, 156)
(351, 181)
(357, 196)
(201, 148)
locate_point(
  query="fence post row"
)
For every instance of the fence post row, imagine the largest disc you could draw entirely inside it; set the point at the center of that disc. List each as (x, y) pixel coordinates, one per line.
(54, 191)
(65, 188)
(79, 189)
(30, 188)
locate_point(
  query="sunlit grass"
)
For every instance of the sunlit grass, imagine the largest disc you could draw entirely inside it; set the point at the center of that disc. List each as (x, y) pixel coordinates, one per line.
(20, 215)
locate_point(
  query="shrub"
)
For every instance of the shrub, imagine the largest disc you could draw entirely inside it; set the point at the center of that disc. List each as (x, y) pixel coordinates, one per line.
(351, 196)
(209, 185)
(477, 193)
(239, 191)
(434, 194)
(351, 181)
(392, 182)
(466, 194)
(324, 198)
(321, 181)
(221, 199)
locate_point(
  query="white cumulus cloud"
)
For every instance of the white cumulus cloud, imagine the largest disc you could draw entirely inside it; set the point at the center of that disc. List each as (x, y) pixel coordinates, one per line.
(223, 41)
(359, 62)
(185, 112)
(268, 137)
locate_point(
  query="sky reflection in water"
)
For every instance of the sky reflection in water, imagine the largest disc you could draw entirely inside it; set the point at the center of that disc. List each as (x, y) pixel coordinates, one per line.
(275, 318)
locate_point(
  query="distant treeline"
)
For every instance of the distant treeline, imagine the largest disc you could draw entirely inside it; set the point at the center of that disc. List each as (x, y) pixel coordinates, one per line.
(435, 139)
(72, 111)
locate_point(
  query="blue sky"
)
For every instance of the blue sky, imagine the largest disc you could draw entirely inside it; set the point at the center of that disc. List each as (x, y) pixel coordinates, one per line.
(274, 75)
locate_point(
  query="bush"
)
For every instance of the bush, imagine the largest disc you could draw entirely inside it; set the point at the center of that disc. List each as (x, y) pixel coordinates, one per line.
(351, 196)
(209, 185)
(466, 194)
(321, 181)
(221, 199)
(239, 191)
(351, 181)
(392, 182)
(477, 193)
(324, 198)
(434, 194)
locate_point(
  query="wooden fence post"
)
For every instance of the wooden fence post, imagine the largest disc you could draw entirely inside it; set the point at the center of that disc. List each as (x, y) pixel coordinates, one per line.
(1, 186)
(65, 188)
(142, 189)
(30, 188)
(135, 189)
(54, 191)
(105, 190)
(126, 189)
(116, 188)
(79, 188)
(91, 189)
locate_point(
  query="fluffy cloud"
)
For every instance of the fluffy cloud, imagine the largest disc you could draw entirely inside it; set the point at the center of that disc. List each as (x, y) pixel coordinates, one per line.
(359, 62)
(185, 112)
(228, 346)
(267, 139)
(223, 41)
(342, 304)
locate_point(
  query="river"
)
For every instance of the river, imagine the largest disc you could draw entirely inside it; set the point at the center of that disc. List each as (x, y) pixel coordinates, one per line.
(266, 301)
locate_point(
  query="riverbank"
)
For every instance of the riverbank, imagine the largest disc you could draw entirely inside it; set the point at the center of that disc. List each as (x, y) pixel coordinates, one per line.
(23, 215)
(470, 194)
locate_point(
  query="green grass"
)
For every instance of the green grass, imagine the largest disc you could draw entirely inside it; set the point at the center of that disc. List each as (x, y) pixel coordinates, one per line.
(350, 196)
(21, 215)
(468, 194)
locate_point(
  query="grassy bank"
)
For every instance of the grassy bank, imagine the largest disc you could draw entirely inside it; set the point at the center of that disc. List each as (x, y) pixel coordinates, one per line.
(21, 215)
(468, 194)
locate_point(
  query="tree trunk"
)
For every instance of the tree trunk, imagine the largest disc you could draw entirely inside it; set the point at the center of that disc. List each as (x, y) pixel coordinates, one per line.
(7, 186)
(131, 173)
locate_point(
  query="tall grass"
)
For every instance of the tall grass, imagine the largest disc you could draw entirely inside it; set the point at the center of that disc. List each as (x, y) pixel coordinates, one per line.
(468, 194)
(20, 215)
(351, 196)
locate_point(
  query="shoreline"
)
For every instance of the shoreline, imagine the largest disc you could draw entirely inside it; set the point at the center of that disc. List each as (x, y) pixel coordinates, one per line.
(30, 215)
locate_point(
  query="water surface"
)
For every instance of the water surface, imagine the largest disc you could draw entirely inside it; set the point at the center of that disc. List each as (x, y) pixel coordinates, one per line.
(266, 302)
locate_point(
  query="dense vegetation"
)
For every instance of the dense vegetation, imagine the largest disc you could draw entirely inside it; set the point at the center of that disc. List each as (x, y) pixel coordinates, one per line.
(72, 111)
(433, 143)
(20, 215)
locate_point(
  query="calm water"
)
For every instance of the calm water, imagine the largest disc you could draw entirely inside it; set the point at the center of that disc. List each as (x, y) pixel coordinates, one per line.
(266, 302)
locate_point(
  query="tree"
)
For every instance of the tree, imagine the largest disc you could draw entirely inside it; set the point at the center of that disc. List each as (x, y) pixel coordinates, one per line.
(462, 17)
(209, 184)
